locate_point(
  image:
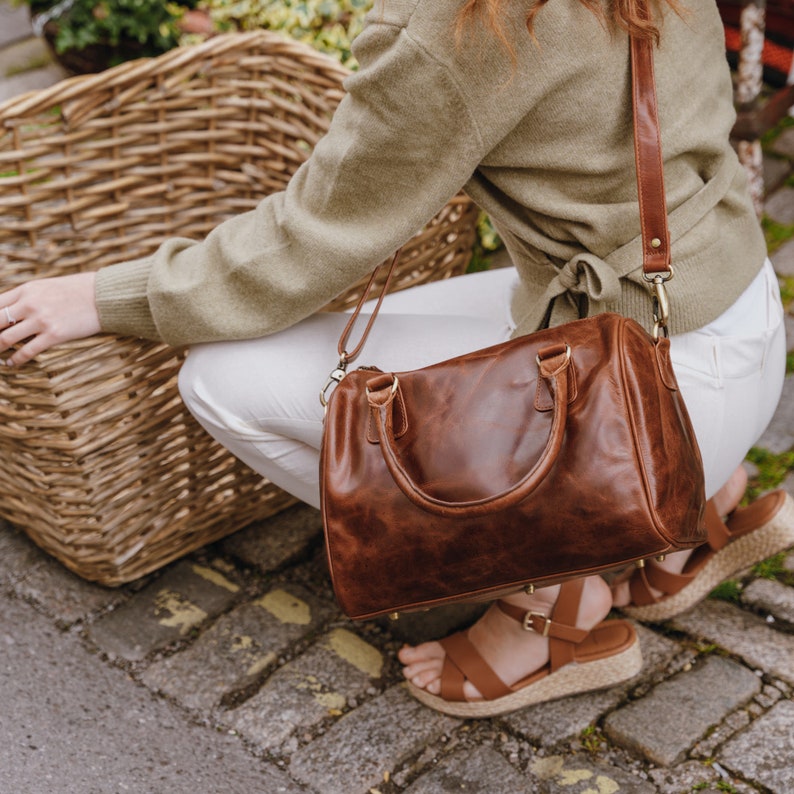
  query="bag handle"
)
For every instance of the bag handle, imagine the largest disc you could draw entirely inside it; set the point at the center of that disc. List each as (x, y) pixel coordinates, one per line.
(553, 366)
(656, 258)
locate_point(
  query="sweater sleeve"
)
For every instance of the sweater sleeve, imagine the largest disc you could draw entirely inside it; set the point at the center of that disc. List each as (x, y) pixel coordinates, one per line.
(400, 145)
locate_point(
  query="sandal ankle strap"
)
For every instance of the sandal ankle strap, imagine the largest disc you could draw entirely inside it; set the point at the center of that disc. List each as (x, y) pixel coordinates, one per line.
(543, 625)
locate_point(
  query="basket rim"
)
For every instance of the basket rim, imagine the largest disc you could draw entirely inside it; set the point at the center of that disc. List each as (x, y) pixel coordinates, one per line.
(119, 76)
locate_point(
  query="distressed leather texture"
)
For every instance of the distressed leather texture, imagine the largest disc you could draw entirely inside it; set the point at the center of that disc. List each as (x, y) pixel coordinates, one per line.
(478, 475)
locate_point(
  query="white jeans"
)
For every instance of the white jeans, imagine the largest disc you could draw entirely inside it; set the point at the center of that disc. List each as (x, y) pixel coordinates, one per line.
(260, 398)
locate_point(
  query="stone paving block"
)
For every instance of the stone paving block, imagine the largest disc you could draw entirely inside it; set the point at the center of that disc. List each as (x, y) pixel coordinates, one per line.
(14, 23)
(742, 634)
(18, 555)
(780, 205)
(775, 171)
(65, 595)
(274, 542)
(697, 777)
(236, 651)
(165, 611)
(784, 143)
(772, 597)
(476, 771)
(32, 80)
(71, 723)
(547, 724)
(788, 563)
(731, 725)
(788, 321)
(27, 54)
(783, 259)
(779, 435)
(690, 776)
(664, 724)
(579, 774)
(333, 674)
(764, 752)
(374, 739)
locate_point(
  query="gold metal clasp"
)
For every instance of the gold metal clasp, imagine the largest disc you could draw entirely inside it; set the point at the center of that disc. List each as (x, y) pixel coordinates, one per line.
(334, 378)
(528, 625)
(395, 384)
(661, 304)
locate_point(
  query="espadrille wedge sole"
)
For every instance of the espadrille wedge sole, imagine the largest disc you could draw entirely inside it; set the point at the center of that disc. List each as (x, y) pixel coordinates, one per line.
(579, 660)
(737, 552)
(574, 678)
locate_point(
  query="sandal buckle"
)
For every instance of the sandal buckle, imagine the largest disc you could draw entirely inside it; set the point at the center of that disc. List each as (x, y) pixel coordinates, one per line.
(528, 625)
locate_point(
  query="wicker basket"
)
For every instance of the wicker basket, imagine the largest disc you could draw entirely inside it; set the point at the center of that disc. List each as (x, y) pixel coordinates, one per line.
(102, 465)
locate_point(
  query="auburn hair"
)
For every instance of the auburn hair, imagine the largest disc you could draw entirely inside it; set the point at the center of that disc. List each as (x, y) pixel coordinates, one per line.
(633, 16)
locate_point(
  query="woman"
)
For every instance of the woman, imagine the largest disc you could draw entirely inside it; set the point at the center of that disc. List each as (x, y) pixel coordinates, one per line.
(527, 105)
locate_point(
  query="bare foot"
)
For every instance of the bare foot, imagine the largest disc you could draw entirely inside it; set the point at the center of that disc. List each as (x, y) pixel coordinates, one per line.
(725, 500)
(512, 652)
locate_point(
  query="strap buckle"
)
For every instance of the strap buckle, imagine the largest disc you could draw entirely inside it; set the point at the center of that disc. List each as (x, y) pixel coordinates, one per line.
(334, 378)
(661, 303)
(528, 625)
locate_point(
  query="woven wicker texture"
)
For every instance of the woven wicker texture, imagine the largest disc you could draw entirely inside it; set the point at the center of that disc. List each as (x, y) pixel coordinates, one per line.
(103, 467)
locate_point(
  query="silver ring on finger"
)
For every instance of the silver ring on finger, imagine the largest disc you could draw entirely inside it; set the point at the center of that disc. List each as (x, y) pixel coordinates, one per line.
(9, 319)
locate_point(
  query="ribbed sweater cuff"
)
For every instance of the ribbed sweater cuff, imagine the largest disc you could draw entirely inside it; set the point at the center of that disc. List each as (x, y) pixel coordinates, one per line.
(122, 302)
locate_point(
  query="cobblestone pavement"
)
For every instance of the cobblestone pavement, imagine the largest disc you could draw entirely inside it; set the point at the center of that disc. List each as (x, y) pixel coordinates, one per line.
(233, 670)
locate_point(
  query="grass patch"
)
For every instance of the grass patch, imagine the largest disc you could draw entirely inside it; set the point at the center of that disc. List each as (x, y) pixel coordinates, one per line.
(772, 568)
(729, 590)
(592, 740)
(776, 234)
(769, 136)
(772, 470)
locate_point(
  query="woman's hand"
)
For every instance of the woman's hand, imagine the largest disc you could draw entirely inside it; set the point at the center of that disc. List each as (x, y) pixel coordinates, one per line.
(47, 312)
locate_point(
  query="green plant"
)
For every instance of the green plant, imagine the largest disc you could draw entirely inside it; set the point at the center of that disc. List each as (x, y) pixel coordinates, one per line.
(776, 234)
(328, 25)
(592, 739)
(771, 568)
(772, 470)
(729, 590)
(123, 29)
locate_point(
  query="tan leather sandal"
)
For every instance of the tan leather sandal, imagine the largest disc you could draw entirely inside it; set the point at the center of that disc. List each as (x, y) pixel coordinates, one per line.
(579, 661)
(749, 535)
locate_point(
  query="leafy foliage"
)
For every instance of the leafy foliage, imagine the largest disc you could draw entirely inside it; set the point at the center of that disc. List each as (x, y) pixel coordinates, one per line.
(328, 25)
(150, 26)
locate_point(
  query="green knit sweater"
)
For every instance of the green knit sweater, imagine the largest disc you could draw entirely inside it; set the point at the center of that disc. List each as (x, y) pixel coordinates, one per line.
(542, 142)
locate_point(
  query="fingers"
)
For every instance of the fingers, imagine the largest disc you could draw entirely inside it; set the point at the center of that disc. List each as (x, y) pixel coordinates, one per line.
(46, 312)
(27, 352)
(13, 332)
(9, 311)
(8, 316)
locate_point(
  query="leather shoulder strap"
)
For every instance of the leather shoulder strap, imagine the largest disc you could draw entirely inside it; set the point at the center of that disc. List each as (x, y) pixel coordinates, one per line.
(648, 157)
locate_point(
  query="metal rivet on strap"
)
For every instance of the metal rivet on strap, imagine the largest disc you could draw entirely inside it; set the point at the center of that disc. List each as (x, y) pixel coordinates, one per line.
(656, 242)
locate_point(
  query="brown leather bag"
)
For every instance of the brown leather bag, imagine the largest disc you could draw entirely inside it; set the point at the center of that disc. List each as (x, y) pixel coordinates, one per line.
(559, 454)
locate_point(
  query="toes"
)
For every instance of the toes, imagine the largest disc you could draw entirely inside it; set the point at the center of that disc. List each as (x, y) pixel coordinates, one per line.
(427, 650)
(412, 670)
(427, 679)
(423, 665)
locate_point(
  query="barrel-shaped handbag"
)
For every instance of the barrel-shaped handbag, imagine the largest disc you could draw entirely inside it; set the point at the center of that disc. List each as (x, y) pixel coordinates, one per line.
(559, 454)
